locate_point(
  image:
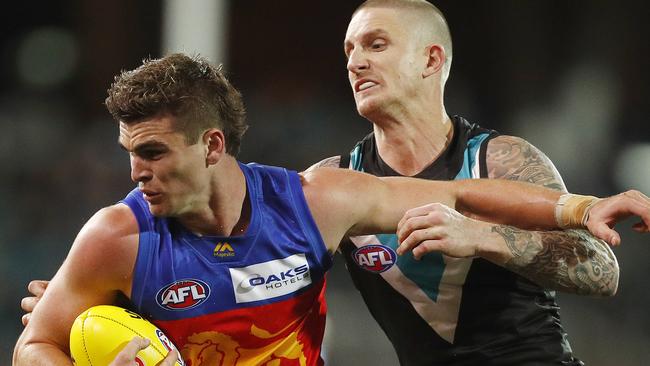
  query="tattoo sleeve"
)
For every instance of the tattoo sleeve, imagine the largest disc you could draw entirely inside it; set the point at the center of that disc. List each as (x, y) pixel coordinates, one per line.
(331, 162)
(570, 261)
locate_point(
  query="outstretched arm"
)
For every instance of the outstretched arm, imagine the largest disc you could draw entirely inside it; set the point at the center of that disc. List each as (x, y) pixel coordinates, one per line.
(571, 260)
(345, 202)
(365, 204)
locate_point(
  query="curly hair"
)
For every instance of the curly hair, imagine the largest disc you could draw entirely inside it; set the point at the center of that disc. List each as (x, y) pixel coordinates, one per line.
(196, 93)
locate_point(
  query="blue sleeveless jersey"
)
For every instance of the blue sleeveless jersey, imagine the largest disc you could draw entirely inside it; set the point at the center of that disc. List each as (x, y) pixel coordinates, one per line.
(252, 299)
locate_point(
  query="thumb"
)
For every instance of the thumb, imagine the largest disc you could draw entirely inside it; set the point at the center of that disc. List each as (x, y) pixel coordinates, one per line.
(604, 232)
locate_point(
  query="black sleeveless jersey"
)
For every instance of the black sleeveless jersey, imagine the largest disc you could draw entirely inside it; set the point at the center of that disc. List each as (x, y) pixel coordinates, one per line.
(450, 311)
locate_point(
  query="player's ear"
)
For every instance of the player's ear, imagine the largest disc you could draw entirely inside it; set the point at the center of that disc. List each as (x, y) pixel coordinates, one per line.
(435, 59)
(215, 145)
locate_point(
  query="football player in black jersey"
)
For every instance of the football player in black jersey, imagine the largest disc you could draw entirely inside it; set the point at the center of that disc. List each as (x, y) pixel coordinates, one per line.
(448, 307)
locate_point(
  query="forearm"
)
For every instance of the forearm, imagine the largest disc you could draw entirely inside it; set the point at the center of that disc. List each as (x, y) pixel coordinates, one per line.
(39, 354)
(523, 205)
(571, 261)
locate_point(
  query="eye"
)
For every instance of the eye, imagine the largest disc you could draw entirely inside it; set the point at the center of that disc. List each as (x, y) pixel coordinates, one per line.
(151, 154)
(378, 44)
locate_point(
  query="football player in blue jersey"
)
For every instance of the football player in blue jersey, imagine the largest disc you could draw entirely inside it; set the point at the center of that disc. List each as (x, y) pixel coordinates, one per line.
(181, 123)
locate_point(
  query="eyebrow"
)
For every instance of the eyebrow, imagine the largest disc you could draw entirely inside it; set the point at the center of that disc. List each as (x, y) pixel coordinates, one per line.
(144, 146)
(376, 32)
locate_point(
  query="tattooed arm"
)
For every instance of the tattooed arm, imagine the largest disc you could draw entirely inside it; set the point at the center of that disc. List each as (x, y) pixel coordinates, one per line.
(572, 260)
(331, 162)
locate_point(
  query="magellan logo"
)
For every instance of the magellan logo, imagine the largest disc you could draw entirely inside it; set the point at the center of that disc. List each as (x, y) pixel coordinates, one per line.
(374, 258)
(183, 294)
(223, 250)
(270, 279)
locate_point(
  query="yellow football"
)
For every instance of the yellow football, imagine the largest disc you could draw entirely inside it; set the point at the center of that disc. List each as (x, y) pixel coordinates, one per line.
(101, 332)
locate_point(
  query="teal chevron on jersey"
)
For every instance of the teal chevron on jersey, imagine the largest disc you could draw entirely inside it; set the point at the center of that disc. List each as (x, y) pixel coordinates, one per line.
(469, 157)
(426, 272)
(356, 159)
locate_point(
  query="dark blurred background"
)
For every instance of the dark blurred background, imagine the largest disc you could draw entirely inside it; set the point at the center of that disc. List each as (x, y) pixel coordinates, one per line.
(571, 77)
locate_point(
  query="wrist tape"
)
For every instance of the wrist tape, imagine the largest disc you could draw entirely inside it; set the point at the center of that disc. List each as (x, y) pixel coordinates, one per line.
(572, 210)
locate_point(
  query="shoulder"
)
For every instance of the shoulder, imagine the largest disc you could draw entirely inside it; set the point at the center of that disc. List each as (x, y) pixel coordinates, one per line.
(343, 191)
(337, 200)
(110, 224)
(330, 190)
(107, 244)
(325, 182)
(513, 158)
(333, 179)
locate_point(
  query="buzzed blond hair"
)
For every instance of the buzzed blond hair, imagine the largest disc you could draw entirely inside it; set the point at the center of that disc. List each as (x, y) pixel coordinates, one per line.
(430, 18)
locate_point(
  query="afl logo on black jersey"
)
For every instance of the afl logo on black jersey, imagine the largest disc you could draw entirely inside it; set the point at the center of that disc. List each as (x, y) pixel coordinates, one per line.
(374, 258)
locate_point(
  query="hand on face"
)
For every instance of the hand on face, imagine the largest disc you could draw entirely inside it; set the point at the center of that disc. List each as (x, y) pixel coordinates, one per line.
(605, 213)
(436, 227)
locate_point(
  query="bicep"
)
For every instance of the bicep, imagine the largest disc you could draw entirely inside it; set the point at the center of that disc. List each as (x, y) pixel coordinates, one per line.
(513, 158)
(346, 202)
(68, 294)
(92, 273)
(389, 198)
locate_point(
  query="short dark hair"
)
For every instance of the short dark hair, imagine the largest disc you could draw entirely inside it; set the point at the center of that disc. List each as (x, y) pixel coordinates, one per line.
(196, 93)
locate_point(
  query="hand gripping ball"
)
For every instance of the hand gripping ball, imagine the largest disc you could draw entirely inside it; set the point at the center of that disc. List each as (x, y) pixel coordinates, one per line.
(101, 332)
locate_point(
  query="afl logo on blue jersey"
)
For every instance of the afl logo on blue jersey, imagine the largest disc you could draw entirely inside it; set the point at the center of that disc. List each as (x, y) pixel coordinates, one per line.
(374, 258)
(183, 294)
(169, 346)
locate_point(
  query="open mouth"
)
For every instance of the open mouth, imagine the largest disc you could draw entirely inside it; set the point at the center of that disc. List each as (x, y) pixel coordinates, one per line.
(363, 85)
(151, 196)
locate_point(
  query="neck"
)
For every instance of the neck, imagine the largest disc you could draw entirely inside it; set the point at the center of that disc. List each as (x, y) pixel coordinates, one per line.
(226, 209)
(410, 143)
